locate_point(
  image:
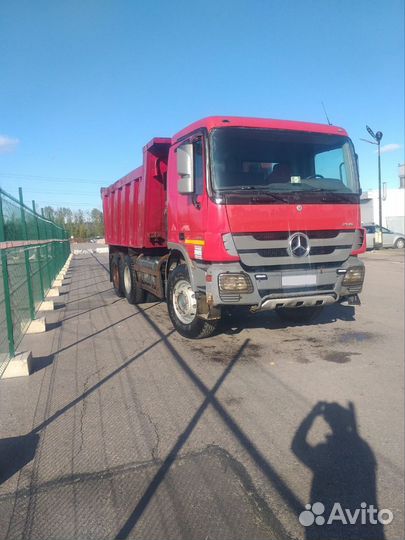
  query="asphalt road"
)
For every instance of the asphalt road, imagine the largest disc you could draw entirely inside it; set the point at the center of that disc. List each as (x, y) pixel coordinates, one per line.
(127, 429)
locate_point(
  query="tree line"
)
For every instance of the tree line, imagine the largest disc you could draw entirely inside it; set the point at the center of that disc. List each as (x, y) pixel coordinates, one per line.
(80, 224)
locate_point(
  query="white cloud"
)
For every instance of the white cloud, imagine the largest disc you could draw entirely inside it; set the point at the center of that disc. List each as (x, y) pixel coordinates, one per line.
(389, 148)
(7, 144)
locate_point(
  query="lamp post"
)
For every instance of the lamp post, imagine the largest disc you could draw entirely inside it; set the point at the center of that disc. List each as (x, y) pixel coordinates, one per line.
(377, 138)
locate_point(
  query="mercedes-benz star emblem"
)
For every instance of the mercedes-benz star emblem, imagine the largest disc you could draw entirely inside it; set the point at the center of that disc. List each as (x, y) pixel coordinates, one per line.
(298, 245)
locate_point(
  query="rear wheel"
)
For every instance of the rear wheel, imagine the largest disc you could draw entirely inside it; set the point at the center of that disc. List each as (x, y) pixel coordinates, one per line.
(133, 293)
(299, 315)
(400, 243)
(182, 306)
(115, 263)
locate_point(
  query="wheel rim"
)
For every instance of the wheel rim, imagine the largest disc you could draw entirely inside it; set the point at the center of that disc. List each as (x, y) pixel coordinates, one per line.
(116, 276)
(400, 244)
(184, 302)
(127, 279)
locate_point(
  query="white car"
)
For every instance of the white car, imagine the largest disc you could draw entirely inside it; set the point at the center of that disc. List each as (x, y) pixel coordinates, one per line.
(390, 238)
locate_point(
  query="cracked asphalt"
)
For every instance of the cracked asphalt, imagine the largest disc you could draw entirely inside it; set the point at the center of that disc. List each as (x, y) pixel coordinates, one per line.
(128, 430)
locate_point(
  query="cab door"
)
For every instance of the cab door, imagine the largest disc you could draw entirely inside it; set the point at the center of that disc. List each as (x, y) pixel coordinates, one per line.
(192, 207)
(370, 236)
(388, 237)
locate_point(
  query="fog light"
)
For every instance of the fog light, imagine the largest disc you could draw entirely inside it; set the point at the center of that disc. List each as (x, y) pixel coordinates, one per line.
(235, 283)
(354, 276)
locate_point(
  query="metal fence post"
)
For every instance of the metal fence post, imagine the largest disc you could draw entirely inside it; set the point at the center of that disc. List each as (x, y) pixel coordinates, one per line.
(38, 252)
(48, 260)
(26, 256)
(6, 286)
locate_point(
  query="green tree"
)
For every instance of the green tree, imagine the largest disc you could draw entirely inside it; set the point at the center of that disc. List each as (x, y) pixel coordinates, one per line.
(49, 212)
(80, 224)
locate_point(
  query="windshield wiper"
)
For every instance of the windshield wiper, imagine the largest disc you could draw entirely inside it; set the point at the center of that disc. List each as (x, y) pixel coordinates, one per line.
(325, 190)
(258, 193)
(341, 195)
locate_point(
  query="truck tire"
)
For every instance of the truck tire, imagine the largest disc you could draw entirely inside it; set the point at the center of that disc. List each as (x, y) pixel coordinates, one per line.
(115, 271)
(133, 293)
(299, 315)
(182, 306)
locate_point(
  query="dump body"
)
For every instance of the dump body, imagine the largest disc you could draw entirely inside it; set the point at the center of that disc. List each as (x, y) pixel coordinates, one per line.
(134, 206)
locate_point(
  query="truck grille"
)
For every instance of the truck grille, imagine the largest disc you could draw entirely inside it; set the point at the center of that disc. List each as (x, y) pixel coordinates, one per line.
(271, 248)
(296, 290)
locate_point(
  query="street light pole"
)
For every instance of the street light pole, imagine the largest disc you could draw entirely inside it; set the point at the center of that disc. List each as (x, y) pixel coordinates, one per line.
(377, 137)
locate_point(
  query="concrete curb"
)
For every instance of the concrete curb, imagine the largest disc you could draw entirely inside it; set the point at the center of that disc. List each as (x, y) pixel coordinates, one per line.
(47, 305)
(37, 326)
(19, 366)
(52, 293)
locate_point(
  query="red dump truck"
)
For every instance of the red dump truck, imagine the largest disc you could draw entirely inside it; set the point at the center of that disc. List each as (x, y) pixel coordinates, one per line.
(239, 212)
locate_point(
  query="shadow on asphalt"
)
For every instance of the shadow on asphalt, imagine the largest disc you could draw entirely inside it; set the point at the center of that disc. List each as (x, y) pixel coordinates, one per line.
(98, 332)
(238, 319)
(89, 296)
(209, 399)
(344, 472)
(93, 388)
(344, 454)
(91, 284)
(91, 309)
(41, 362)
(322, 461)
(53, 325)
(15, 453)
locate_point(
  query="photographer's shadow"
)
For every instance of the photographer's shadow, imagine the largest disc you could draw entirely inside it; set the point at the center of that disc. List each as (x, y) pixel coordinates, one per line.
(344, 472)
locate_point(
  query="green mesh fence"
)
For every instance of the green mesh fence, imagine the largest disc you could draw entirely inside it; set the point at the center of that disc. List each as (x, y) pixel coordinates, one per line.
(4, 348)
(32, 252)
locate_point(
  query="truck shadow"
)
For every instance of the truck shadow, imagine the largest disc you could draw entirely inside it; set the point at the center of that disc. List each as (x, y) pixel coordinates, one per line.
(344, 476)
(236, 320)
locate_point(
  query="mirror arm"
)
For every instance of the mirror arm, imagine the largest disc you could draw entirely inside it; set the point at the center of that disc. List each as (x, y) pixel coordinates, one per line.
(195, 201)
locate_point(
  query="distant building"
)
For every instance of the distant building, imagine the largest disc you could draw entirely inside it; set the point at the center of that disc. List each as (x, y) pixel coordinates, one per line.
(393, 205)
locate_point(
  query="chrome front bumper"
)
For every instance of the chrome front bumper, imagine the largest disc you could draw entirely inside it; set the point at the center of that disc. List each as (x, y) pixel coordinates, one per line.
(271, 303)
(269, 294)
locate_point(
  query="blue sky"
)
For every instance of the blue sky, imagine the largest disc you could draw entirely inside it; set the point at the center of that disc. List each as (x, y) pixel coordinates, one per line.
(85, 84)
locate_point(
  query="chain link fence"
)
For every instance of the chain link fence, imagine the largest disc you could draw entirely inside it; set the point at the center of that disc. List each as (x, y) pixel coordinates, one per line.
(33, 250)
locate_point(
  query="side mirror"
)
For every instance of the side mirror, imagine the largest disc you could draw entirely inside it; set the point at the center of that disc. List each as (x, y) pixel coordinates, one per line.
(185, 168)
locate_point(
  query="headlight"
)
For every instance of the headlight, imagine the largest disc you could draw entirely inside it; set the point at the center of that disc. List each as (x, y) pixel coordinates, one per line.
(354, 276)
(235, 283)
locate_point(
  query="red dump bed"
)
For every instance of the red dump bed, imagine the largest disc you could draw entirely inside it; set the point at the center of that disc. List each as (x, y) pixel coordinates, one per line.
(134, 206)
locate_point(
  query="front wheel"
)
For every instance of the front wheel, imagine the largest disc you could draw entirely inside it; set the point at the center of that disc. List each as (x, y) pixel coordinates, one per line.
(299, 315)
(400, 243)
(182, 306)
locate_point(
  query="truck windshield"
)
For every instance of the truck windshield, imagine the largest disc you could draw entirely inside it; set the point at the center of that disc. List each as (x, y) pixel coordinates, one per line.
(274, 161)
